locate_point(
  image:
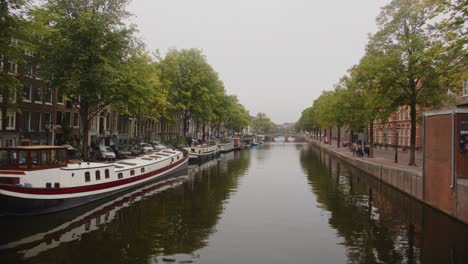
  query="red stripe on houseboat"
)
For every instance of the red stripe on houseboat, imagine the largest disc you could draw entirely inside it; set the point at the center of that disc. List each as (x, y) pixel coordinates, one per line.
(13, 172)
(89, 188)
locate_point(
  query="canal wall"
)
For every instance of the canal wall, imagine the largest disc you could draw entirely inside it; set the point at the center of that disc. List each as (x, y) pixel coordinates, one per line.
(407, 181)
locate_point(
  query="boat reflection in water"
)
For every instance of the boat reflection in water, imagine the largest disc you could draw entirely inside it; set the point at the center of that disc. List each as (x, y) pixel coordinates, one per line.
(50, 231)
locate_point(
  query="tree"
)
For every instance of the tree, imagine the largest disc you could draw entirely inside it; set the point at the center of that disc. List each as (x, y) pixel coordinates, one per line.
(403, 41)
(189, 78)
(370, 86)
(13, 43)
(449, 36)
(144, 95)
(262, 124)
(237, 117)
(84, 44)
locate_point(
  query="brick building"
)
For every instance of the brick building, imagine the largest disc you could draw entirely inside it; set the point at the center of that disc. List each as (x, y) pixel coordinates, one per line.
(399, 122)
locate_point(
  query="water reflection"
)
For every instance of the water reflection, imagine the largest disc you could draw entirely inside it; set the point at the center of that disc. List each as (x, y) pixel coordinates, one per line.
(378, 223)
(165, 222)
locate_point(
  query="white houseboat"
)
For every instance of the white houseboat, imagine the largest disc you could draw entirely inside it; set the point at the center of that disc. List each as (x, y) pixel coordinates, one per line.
(41, 179)
(202, 152)
(34, 242)
(225, 147)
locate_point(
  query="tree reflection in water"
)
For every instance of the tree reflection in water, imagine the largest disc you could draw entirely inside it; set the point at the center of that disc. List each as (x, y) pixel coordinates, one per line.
(175, 222)
(378, 223)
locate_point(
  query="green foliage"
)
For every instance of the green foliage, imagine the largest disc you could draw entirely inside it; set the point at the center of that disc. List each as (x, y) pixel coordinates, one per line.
(84, 46)
(196, 92)
(13, 43)
(261, 123)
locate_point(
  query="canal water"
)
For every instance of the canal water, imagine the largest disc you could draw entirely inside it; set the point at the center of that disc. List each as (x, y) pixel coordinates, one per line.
(276, 203)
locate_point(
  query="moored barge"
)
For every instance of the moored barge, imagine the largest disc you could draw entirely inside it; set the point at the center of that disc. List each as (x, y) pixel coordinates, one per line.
(41, 179)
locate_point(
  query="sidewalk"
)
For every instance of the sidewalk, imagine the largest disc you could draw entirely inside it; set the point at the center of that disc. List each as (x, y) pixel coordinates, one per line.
(381, 156)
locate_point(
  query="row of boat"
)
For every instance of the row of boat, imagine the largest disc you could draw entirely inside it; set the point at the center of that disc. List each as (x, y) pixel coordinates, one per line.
(42, 179)
(202, 152)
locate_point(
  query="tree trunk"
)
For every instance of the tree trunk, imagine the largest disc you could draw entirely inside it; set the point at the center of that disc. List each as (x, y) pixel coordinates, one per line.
(330, 136)
(185, 123)
(371, 140)
(412, 161)
(85, 144)
(338, 142)
(351, 135)
(203, 131)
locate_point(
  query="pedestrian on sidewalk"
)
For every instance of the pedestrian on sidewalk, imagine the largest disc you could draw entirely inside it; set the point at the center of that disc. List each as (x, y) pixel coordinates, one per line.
(353, 149)
(366, 150)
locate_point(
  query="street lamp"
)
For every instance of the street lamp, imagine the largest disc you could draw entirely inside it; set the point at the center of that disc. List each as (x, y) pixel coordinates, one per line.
(47, 126)
(397, 129)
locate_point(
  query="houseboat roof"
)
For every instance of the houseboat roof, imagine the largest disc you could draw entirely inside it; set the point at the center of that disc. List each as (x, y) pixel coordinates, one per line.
(34, 147)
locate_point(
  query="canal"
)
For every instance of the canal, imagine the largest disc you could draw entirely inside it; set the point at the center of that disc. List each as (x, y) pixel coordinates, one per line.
(277, 203)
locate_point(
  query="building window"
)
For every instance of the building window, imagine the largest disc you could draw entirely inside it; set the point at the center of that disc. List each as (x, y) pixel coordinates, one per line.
(11, 118)
(48, 95)
(75, 119)
(47, 119)
(66, 119)
(38, 72)
(59, 118)
(98, 175)
(465, 88)
(106, 174)
(27, 92)
(87, 176)
(12, 67)
(35, 121)
(38, 94)
(28, 53)
(60, 96)
(28, 70)
(11, 121)
(26, 117)
(120, 175)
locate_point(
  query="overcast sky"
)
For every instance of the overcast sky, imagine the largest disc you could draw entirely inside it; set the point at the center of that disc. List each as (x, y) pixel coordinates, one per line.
(275, 55)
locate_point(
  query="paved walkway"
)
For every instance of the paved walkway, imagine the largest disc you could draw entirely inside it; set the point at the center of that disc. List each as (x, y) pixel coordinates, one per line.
(382, 156)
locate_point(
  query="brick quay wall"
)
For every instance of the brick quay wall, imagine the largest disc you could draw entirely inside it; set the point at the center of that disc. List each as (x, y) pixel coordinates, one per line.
(405, 180)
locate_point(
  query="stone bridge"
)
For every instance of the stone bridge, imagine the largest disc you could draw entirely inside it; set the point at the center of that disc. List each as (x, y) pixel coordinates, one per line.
(287, 137)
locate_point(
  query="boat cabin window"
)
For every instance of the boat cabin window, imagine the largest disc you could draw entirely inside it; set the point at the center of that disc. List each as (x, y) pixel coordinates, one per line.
(120, 175)
(87, 176)
(132, 172)
(24, 158)
(98, 175)
(106, 174)
(142, 170)
(4, 158)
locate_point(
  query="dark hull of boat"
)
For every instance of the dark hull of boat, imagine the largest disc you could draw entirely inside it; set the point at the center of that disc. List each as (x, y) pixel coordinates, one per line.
(22, 206)
(202, 158)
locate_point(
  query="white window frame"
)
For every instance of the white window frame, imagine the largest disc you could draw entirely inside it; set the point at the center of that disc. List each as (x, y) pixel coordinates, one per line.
(15, 66)
(37, 75)
(42, 95)
(465, 88)
(28, 71)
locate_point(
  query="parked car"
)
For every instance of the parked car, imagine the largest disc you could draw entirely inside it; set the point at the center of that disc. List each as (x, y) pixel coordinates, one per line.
(147, 148)
(106, 153)
(134, 150)
(121, 151)
(158, 146)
